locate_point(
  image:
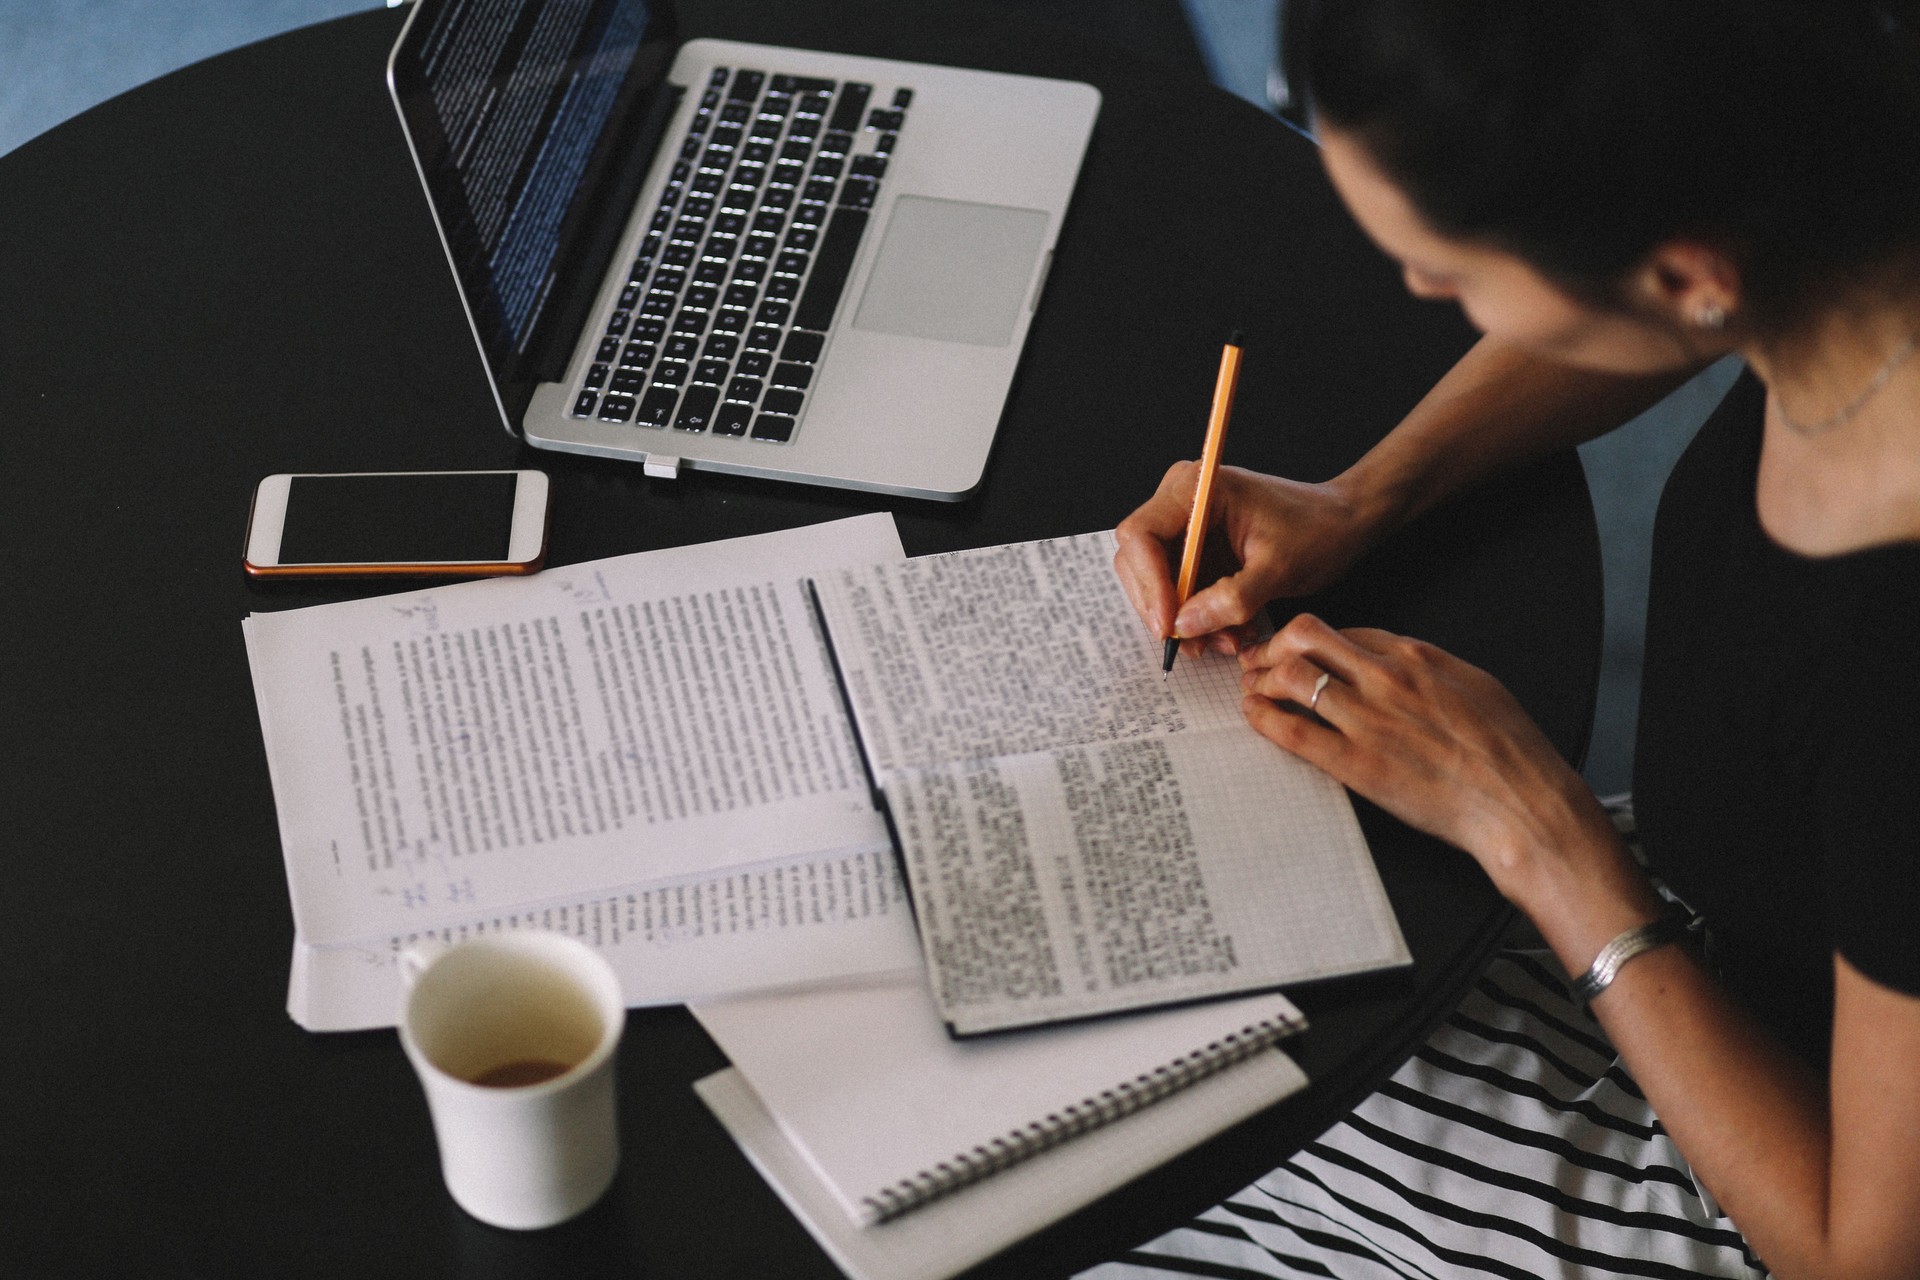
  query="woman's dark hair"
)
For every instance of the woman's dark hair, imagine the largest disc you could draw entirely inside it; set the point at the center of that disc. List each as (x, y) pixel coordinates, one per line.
(1580, 134)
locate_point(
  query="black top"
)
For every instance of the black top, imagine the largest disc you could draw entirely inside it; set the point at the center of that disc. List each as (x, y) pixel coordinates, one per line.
(1777, 777)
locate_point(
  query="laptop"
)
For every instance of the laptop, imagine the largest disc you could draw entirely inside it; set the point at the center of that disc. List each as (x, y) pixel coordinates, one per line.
(710, 255)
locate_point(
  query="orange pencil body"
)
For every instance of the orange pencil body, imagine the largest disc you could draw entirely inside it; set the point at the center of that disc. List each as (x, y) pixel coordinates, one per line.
(1223, 390)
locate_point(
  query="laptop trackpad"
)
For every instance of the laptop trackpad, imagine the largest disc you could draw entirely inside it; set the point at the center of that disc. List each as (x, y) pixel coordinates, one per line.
(952, 271)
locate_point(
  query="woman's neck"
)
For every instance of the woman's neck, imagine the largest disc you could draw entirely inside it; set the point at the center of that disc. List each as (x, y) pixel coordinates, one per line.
(1840, 463)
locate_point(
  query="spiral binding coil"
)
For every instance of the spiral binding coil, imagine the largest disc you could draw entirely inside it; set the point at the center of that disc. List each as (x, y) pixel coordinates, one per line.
(1108, 1105)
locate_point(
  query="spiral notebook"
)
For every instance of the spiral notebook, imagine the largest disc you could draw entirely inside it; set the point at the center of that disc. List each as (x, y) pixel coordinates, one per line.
(889, 1113)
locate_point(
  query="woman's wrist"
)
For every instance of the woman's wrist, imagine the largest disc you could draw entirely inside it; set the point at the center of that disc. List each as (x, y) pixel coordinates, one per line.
(1380, 490)
(1575, 880)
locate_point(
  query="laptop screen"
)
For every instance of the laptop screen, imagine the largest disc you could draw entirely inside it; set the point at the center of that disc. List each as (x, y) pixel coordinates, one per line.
(519, 113)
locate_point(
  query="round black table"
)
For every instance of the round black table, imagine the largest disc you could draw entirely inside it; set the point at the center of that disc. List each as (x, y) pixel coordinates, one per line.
(230, 272)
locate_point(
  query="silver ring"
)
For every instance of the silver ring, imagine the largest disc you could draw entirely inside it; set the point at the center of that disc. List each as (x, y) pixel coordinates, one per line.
(1319, 687)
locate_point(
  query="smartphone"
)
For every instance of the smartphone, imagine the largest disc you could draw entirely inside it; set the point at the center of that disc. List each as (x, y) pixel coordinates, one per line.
(398, 523)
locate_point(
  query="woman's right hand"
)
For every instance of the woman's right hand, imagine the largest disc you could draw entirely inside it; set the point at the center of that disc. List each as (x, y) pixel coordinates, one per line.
(1288, 538)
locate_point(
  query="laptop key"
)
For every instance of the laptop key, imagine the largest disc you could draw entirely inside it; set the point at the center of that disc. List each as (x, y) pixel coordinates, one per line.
(656, 407)
(732, 419)
(773, 426)
(803, 346)
(746, 85)
(671, 373)
(696, 408)
(777, 401)
(874, 167)
(858, 193)
(854, 97)
(616, 408)
(831, 267)
(745, 390)
(628, 382)
(583, 407)
(596, 376)
(788, 374)
(681, 347)
(783, 288)
(755, 365)
(710, 371)
(763, 338)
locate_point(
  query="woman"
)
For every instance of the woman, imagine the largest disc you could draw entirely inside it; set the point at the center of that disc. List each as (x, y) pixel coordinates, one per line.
(1617, 194)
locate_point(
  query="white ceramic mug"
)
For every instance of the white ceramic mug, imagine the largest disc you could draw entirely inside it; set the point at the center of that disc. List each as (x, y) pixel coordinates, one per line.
(513, 1037)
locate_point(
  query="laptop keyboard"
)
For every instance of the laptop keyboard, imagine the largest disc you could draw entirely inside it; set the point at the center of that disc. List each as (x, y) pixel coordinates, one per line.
(726, 307)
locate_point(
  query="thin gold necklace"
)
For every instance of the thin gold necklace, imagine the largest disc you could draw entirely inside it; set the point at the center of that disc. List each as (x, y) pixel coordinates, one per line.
(1854, 406)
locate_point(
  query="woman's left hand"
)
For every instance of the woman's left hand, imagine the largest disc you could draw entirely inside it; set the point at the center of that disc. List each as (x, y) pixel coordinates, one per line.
(1436, 742)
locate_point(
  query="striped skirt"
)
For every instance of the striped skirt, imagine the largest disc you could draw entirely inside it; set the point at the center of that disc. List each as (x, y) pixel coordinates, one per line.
(1513, 1144)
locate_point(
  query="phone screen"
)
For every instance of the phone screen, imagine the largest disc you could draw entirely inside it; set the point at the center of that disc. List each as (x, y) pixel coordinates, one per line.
(412, 519)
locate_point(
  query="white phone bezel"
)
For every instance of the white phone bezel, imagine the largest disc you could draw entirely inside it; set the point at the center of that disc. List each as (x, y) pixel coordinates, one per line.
(526, 539)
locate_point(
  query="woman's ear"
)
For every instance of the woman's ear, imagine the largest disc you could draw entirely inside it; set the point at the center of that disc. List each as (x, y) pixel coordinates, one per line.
(1694, 283)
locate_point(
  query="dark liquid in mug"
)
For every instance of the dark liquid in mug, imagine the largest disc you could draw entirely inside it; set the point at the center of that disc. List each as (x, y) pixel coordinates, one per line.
(515, 1075)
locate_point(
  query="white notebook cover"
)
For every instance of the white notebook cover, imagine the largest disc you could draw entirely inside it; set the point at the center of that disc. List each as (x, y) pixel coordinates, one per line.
(870, 1092)
(956, 1231)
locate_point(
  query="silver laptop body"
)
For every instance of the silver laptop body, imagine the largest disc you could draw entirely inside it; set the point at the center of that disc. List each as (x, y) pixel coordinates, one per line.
(927, 201)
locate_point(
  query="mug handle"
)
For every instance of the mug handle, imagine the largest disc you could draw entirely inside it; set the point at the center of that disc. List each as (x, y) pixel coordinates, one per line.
(418, 958)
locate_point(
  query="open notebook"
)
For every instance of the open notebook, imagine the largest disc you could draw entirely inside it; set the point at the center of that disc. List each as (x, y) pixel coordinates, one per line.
(1081, 835)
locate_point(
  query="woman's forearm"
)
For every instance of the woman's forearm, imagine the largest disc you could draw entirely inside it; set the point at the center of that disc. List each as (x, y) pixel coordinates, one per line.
(1497, 406)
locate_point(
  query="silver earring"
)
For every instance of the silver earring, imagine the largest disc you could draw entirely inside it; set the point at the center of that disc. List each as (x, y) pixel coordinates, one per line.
(1711, 316)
